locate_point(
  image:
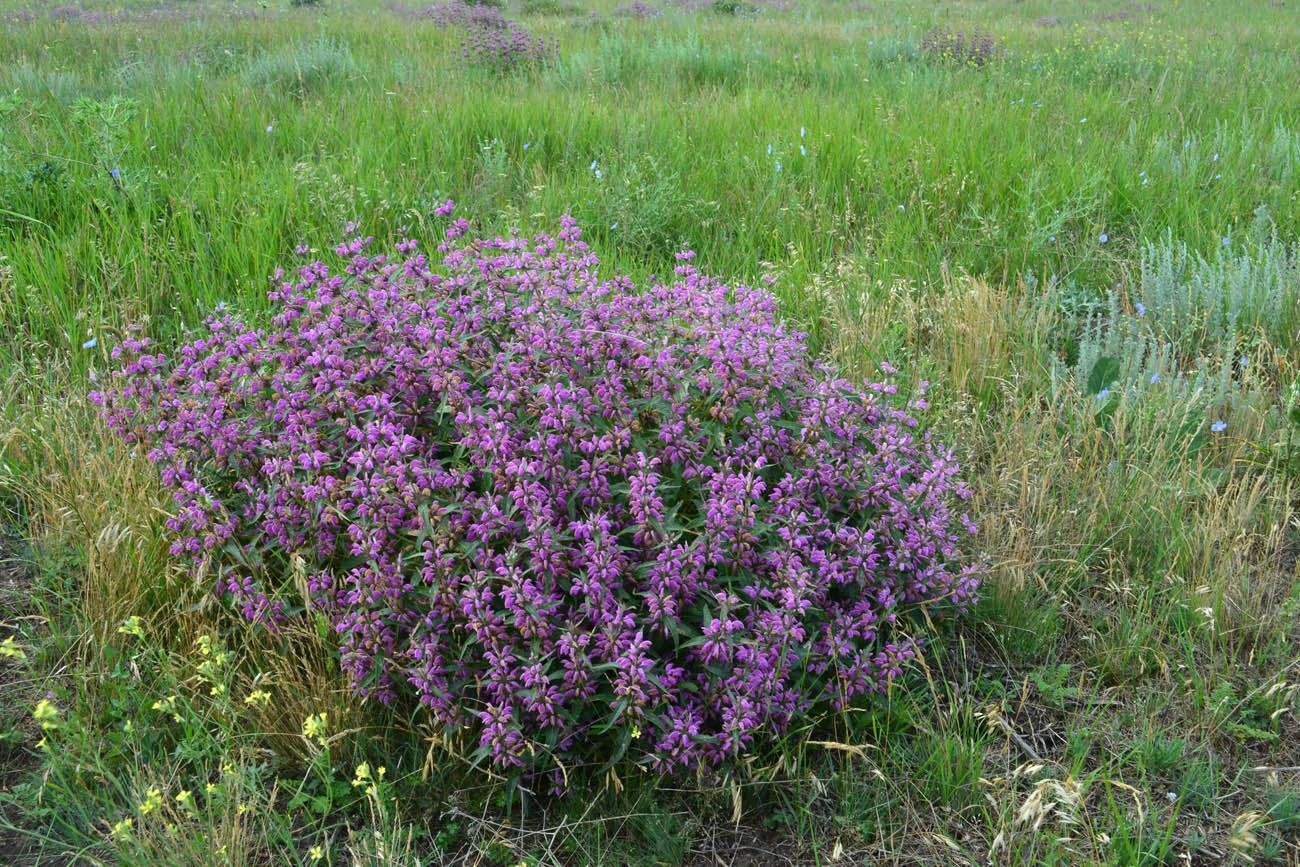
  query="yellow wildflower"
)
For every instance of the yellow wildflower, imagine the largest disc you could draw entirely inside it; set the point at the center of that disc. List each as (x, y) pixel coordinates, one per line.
(10, 650)
(133, 625)
(314, 726)
(47, 714)
(258, 698)
(152, 801)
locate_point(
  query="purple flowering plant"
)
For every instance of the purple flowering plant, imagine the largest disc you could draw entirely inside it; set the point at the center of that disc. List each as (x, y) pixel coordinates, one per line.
(584, 521)
(506, 49)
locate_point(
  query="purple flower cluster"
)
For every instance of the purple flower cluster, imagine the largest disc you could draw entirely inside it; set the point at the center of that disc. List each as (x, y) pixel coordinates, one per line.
(456, 14)
(506, 49)
(636, 9)
(589, 521)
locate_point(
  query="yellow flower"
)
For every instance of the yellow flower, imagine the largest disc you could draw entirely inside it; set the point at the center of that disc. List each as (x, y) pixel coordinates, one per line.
(47, 714)
(258, 698)
(185, 798)
(10, 650)
(314, 726)
(362, 775)
(122, 828)
(636, 731)
(152, 801)
(132, 626)
(315, 853)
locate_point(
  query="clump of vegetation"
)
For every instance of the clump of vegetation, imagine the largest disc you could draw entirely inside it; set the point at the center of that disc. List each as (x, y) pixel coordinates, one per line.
(590, 523)
(955, 46)
(733, 7)
(507, 49)
(305, 68)
(457, 14)
(637, 9)
(549, 7)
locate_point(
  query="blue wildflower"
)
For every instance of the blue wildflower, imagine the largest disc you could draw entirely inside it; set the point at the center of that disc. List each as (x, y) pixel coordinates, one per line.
(91, 343)
(1218, 426)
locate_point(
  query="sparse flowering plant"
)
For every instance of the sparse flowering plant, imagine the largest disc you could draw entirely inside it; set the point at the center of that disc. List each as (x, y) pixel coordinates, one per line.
(968, 49)
(586, 520)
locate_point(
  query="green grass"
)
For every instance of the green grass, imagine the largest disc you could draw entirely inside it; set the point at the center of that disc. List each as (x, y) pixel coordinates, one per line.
(1138, 635)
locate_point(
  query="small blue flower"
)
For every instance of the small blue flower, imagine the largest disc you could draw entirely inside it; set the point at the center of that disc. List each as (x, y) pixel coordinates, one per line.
(598, 174)
(91, 343)
(1142, 174)
(769, 150)
(1141, 308)
(801, 132)
(1219, 175)
(778, 165)
(593, 165)
(116, 174)
(1101, 395)
(1083, 120)
(1104, 237)
(1052, 239)
(270, 126)
(1146, 181)
(1218, 426)
(527, 145)
(614, 226)
(1225, 240)
(803, 151)
(1155, 377)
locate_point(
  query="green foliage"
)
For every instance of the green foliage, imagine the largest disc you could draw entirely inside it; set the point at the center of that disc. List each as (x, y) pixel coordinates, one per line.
(1223, 303)
(733, 7)
(645, 208)
(302, 69)
(549, 7)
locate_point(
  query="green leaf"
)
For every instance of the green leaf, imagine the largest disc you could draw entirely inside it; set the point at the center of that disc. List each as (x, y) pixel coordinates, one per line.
(1104, 372)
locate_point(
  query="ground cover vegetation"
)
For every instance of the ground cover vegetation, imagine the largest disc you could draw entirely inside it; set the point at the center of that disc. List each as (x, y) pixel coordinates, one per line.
(1052, 244)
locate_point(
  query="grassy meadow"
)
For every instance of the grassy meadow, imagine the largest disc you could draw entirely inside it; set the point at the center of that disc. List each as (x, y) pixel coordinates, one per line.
(1089, 241)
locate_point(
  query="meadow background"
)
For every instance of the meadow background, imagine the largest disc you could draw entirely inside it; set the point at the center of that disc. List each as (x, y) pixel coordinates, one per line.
(1083, 232)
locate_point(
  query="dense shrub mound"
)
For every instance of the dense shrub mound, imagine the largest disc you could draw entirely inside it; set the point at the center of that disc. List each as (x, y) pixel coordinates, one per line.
(586, 520)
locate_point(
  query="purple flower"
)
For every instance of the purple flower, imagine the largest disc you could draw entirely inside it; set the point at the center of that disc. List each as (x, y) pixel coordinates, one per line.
(1218, 426)
(551, 506)
(1141, 309)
